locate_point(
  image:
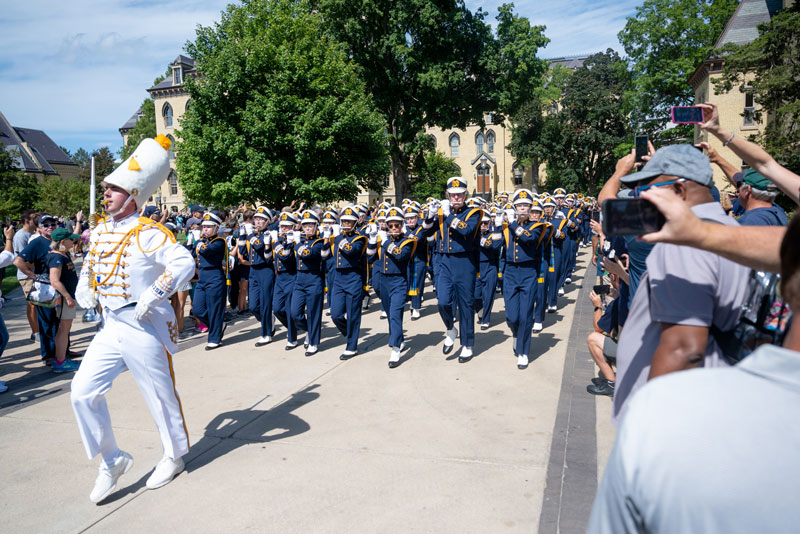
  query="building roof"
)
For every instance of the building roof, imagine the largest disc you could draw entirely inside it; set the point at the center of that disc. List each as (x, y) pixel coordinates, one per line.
(186, 64)
(34, 151)
(571, 62)
(742, 27)
(132, 121)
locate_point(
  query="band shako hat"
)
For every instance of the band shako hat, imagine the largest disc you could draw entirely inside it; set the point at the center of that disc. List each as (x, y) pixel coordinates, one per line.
(263, 212)
(456, 184)
(381, 215)
(349, 214)
(559, 193)
(394, 214)
(536, 206)
(287, 218)
(329, 217)
(144, 170)
(211, 218)
(309, 217)
(411, 211)
(523, 196)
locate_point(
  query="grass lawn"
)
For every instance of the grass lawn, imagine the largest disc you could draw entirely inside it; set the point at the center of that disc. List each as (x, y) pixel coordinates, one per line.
(10, 280)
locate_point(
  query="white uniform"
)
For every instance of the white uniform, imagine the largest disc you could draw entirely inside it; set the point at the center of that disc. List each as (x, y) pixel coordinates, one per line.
(132, 260)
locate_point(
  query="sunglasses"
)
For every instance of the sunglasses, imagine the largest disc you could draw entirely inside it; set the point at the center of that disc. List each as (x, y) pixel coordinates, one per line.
(639, 189)
(49, 225)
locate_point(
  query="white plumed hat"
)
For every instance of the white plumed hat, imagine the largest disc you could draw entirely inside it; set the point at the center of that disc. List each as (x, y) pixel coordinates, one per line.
(144, 170)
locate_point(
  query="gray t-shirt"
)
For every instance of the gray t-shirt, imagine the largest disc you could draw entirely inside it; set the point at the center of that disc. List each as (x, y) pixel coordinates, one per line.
(708, 450)
(21, 240)
(683, 286)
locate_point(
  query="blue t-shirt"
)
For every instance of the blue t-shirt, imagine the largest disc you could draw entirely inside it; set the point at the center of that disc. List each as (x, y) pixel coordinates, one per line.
(68, 275)
(637, 257)
(36, 253)
(771, 216)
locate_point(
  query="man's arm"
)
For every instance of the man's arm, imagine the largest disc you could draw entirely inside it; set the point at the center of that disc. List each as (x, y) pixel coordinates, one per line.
(680, 347)
(25, 267)
(757, 247)
(725, 166)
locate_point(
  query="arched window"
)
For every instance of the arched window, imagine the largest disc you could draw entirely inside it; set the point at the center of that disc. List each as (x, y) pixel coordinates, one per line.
(490, 142)
(171, 147)
(455, 141)
(173, 183)
(166, 111)
(479, 142)
(433, 139)
(517, 170)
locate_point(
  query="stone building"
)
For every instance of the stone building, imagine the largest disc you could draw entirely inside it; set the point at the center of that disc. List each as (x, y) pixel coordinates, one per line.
(35, 152)
(735, 106)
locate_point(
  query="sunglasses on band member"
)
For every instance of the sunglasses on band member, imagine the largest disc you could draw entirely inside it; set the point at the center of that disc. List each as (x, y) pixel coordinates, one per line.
(641, 188)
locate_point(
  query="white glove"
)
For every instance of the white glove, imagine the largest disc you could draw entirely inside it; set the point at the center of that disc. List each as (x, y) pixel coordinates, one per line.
(326, 232)
(267, 239)
(84, 296)
(290, 236)
(146, 303)
(511, 215)
(296, 238)
(273, 234)
(383, 235)
(372, 228)
(445, 207)
(432, 211)
(498, 219)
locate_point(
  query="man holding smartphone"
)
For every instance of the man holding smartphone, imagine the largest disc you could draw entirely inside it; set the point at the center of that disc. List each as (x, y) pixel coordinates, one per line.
(684, 291)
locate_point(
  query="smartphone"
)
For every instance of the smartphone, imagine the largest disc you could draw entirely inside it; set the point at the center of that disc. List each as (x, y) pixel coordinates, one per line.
(601, 289)
(640, 141)
(636, 216)
(595, 215)
(687, 114)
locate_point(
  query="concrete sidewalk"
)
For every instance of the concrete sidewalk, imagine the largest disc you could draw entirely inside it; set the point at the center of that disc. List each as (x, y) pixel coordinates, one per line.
(286, 443)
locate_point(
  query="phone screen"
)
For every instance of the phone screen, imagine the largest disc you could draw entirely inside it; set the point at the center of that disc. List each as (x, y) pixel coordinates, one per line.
(641, 147)
(635, 216)
(595, 215)
(602, 289)
(687, 114)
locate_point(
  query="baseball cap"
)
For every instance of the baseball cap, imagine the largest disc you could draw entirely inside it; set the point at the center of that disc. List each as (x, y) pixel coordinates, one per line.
(62, 233)
(757, 181)
(683, 161)
(196, 207)
(46, 217)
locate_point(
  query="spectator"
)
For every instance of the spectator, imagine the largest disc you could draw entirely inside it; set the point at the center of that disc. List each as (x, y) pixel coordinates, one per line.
(21, 239)
(197, 216)
(602, 344)
(684, 290)
(720, 456)
(757, 196)
(32, 260)
(64, 279)
(6, 257)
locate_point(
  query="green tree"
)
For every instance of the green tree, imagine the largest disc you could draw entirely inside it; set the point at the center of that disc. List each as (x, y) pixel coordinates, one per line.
(62, 197)
(665, 41)
(435, 63)
(145, 127)
(278, 112)
(19, 191)
(431, 172)
(768, 68)
(578, 142)
(103, 165)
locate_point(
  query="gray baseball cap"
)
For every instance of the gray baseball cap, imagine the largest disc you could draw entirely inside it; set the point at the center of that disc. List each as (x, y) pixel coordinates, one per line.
(683, 161)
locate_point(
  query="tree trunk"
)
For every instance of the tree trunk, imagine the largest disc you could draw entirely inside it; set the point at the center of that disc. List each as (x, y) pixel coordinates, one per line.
(400, 163)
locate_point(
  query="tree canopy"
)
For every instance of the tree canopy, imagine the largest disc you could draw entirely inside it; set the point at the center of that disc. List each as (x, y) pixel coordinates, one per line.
(768, 68)
(278, 112)
(665, 41)
(19, 191)
(436, 63)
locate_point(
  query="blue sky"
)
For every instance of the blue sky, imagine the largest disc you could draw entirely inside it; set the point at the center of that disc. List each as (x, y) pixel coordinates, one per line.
(78, 69)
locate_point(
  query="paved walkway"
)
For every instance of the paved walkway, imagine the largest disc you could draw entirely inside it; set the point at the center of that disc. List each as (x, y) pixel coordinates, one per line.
(285, 443)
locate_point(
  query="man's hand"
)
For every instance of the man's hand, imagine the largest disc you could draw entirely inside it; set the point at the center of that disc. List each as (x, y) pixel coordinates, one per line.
(79, 216)
(626, 164)
(597, 300)
(682, 227)
(596, 226)
(8, 233)
(710, 118)
(84, 295)
(711, 152)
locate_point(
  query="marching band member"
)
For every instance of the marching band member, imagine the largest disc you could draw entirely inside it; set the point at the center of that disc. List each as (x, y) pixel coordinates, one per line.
(256, 249)
(391, 258)
(456, 229)
(285, 275)
(556, 244)
(329, 228)
(491, 246)
(418, 266)
(521, 274)
(132, 267)
(543, 247)
(347, 259)
(208, 302)
(311, 252)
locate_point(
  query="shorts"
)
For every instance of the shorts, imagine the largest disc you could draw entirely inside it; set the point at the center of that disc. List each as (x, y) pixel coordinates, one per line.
(610, 349)
(27, 286)
(64, 312)
(186, 287)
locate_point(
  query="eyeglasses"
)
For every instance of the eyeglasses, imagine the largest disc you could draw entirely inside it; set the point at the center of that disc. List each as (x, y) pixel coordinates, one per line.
(641, 188)
(48, 225)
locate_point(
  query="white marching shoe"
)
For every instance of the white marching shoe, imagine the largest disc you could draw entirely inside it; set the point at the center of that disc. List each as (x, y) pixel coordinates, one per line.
(108, 476)
(561, 291)
(551, 309)
(414, 315)
(522, 361)
(164, 472)
(394, 358)
(465, 355)
(537, 327)
(383, 315)
(449, 340)
(263, 340)
(568, 280)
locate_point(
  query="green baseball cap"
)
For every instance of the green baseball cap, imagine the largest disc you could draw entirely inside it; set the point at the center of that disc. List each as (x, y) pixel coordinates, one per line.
(60, 234)
(757, 181)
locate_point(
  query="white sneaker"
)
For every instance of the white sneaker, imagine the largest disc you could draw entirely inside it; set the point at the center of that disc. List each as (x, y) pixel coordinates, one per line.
(395, 356)
(561, 291)
(383, 315)
(522, 361)
(164, 472)
(107, 478)
(450, 337)
(537, 327)
(415, 314)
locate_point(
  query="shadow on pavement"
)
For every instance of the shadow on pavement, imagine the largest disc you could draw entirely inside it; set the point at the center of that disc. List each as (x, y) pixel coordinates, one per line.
(242, 427)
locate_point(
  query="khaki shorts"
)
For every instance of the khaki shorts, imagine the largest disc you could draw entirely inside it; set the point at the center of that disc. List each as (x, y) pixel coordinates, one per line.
(27, 285)
(64, 312)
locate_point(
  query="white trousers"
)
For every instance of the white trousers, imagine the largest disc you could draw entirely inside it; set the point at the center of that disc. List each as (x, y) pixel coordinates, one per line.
(125, 343)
